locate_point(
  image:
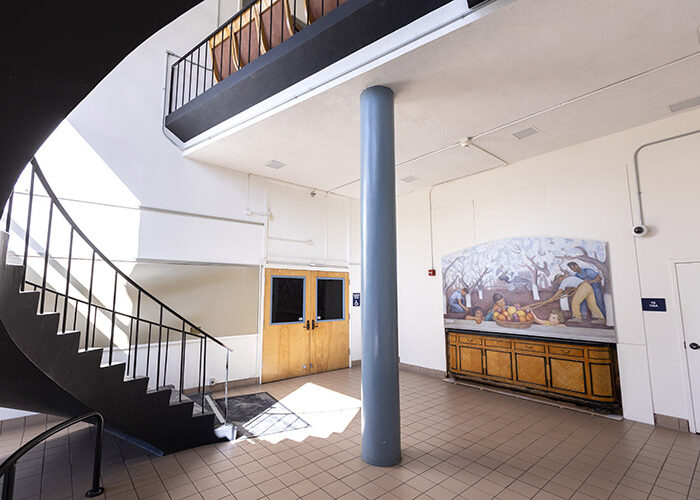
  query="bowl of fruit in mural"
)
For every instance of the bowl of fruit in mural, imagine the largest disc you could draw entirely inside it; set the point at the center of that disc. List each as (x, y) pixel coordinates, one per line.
(513, 316)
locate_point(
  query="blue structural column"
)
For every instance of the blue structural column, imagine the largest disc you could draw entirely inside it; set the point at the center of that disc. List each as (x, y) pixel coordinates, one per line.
(381, 419)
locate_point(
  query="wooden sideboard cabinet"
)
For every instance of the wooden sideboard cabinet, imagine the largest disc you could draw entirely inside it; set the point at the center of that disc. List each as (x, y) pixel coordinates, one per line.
(576, 371)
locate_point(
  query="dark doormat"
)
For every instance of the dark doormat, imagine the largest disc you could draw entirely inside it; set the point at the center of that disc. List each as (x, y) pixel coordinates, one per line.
(260, 414)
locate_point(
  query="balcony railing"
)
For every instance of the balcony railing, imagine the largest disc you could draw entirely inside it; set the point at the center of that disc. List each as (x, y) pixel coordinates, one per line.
(255, 30)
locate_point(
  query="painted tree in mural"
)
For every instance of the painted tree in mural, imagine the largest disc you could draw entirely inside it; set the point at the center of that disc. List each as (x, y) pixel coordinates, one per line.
(535, 263)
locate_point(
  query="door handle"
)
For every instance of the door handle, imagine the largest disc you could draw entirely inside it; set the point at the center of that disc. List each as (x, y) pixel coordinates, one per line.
(694, 346)
(308, 327)
(313, 324)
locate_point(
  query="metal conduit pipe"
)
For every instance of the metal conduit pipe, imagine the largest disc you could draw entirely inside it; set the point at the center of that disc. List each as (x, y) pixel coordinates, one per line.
(636, 167)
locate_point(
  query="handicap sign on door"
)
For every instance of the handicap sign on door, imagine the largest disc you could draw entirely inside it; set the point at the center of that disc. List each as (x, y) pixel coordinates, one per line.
(355, 300)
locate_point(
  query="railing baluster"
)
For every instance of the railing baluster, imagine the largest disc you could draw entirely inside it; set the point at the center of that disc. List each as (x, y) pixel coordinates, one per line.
(167, 348)
(258, 24)
(9, 212)
(221, 54)
(250, 30)
(89, 301)
(226, 389)
(75, 317)
(94, 327)
(205, 373)
(114, 309)
(160, 342)
(182, 361)
(148, 351)
(199, 375)
(29, 225)
(46, 257)
(138, 319)
(206, 66)
(271, 23)
(68, 269)
(128, 355)
(230, 49)
(189, 90)
(196, 91)
(55, 300)
(173, 87)
(284, 3)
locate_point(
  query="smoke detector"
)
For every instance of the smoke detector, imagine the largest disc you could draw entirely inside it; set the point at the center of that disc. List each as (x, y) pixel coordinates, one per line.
(409, 178)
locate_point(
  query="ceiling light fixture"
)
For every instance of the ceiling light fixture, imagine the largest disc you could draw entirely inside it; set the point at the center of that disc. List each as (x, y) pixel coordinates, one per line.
(409, 178)
(688, 103)
(526, 132)
(275, 164)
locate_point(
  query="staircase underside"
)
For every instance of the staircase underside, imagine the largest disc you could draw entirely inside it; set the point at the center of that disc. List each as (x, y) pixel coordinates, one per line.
(44, 371)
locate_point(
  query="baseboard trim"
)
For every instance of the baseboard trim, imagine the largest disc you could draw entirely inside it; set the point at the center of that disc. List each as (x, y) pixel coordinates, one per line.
(675, 423)
(430, 372)
(232, 384)
(410, 368)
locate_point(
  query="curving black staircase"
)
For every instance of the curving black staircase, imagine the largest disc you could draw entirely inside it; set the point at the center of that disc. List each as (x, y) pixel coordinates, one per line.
(59, 348)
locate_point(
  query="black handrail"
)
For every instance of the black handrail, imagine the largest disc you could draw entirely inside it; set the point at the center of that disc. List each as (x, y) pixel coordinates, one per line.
(186, 329)
(57, 204)
(8, 467)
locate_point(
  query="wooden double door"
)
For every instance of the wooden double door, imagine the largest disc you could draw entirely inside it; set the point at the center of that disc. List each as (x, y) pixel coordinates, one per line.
(306, 325)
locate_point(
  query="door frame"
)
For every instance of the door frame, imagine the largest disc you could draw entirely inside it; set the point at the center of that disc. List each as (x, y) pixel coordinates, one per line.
(262, 296)
(678, 318)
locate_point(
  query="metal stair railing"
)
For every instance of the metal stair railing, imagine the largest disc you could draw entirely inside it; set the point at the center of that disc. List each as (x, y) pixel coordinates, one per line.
(8, 467)
(155, 334)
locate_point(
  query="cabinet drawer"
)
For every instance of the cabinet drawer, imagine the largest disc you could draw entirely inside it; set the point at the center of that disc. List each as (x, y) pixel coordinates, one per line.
(523, 346)
(463, 339)
(596, 354)
(497, 343)
(574, 352)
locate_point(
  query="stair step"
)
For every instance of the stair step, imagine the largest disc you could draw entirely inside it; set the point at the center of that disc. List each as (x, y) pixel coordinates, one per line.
(71, 339)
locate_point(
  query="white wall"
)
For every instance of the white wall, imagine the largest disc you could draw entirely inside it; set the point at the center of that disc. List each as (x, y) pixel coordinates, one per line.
(582, 191)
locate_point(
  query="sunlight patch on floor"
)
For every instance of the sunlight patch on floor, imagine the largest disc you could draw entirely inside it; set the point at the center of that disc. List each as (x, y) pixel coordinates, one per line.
(325, 411)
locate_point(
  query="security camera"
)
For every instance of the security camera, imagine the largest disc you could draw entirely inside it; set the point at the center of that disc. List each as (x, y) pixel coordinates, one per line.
(640, 230)
(312, 194)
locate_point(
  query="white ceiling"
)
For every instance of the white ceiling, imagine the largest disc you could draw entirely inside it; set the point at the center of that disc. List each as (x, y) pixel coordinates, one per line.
(584, 69)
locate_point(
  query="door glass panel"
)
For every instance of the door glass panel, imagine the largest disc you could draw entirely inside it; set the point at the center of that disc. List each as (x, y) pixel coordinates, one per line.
(330, 300)
(287, 304)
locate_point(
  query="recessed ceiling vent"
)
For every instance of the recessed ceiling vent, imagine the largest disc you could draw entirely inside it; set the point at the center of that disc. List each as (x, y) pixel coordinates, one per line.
(526, 132)
(410, 178)
(688, 103)
(275, 164)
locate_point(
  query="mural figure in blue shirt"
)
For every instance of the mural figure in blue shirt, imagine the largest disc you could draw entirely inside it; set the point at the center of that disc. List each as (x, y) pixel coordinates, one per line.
(498, 300)
(595, 279)
(457, 302)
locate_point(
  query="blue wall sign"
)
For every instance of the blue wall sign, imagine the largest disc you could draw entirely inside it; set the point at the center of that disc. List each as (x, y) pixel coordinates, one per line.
(356, 300)
(658, 305)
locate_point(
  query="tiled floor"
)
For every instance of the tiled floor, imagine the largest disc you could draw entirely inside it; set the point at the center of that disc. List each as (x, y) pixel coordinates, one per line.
(459, 442)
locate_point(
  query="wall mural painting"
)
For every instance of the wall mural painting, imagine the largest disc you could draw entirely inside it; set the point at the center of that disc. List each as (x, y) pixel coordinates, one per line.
(531, 286)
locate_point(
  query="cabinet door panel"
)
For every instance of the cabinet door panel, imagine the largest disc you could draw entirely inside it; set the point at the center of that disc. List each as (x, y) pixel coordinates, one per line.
(568, 375)
(530, 369)
(470, 360)
(601, 380)
(452, 353)
(499, 364)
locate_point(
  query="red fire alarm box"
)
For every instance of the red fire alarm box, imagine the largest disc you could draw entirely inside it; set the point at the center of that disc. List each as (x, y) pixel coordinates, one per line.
(431, 272)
